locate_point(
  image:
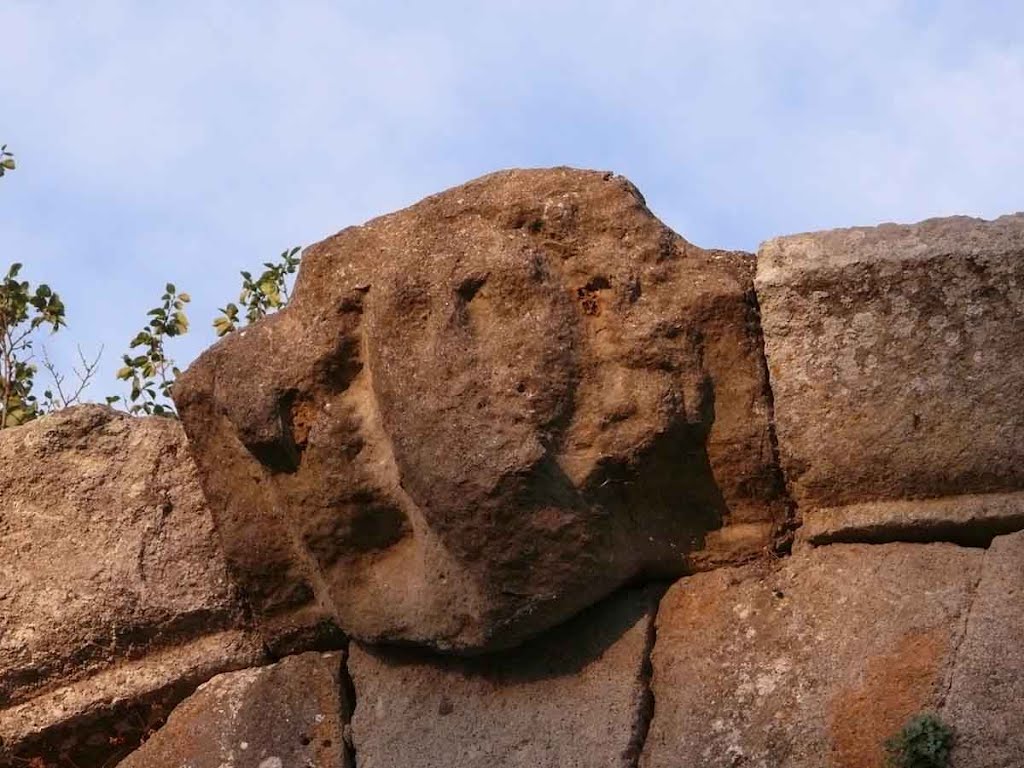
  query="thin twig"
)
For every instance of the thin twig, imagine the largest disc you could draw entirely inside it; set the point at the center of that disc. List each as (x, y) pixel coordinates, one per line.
(83, 375)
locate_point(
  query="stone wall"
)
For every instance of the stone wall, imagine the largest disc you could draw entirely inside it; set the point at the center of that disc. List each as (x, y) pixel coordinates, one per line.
(533, 481)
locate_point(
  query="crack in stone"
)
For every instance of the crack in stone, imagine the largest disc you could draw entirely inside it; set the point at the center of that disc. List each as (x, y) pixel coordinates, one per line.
(962, 635)
(785, 529)
(348, 709)
(969, 535)
(645, 714)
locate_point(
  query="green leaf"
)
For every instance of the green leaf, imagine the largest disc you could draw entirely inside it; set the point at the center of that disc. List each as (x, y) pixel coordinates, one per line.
(223, 326)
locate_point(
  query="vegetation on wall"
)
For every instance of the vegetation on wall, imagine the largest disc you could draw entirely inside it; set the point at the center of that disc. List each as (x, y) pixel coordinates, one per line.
(262, 295)
(151, 372)
(924, 742)
(24, 310)
(28, 310)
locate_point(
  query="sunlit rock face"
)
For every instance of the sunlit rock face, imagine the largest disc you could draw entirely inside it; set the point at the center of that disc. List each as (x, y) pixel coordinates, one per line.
(483, 413)
(895, 359)
(525, 425)
(115, 600)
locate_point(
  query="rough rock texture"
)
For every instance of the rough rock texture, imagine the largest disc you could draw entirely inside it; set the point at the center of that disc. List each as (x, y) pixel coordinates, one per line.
(811, 663)
(483, 413)
(289, 715)
(576, 696)
(114, 596)
(895, 359)
(985, 704)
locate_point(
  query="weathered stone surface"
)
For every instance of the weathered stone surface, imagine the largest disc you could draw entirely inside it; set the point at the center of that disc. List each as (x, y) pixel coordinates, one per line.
(985, 705)
(734, 544)
(574, 697)
(113, 592)
(288, 715)
(813, 662)
(92, 722)
(483, 413)
(896, 359)
(972, 520)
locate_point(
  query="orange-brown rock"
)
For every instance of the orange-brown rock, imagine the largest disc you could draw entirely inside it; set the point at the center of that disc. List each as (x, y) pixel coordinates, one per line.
(813, 662)
(483, 413)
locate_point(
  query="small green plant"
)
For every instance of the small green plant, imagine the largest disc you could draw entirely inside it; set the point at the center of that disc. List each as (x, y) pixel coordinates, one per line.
(924, 742)
(6, 160)
(152, 372)
(260, 296)
(23, 311)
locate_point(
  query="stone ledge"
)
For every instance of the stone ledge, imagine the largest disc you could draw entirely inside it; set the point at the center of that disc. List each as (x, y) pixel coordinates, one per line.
(167, 674)
(969, 520)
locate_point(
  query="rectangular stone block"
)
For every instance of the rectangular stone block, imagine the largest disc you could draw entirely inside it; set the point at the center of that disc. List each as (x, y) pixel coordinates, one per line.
(896, 356)
(576, 697)
(814, 662)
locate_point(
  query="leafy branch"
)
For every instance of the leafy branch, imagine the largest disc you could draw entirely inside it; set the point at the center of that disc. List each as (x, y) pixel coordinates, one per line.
(6, 160)
(260, 296)
(147, 368)
(151, 372)
(23, 311)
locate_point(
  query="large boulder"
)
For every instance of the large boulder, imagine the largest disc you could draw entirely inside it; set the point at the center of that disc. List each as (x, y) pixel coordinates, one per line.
(483, 413)
(819, 660)
(896, 367)
(288, 715)
(114, 596)
(576, 697)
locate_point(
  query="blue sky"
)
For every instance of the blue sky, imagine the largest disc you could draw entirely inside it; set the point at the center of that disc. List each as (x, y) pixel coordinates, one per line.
(185, 141)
